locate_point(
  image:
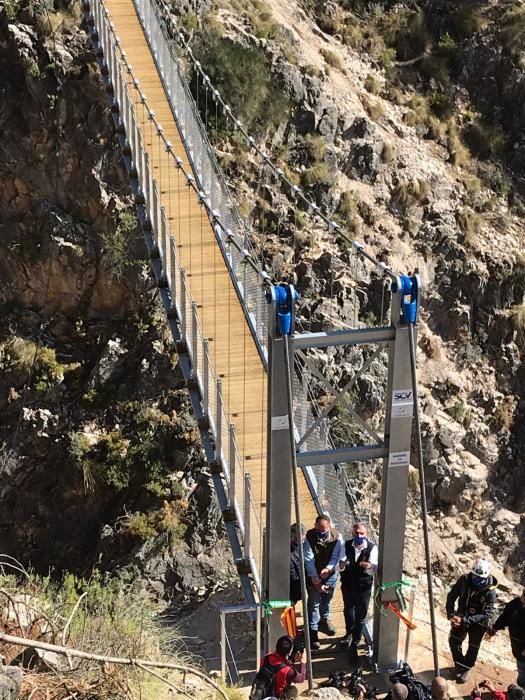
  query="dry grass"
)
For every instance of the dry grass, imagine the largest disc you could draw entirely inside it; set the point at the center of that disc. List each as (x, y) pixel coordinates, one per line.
(469, 222)
(372, 84)
(373, 108)
(332, 58)
(518, 318)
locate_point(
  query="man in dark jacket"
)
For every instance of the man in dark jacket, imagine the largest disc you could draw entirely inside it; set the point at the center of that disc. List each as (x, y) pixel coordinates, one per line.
(513, 617)
(357, 577)
(470, 607)
(323, 549)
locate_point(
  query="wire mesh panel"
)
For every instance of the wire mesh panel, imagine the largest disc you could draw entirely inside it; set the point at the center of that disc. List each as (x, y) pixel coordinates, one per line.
(330, 483)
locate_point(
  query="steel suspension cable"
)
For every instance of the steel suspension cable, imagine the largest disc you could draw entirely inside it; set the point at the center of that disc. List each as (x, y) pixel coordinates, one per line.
(297, 503)
(422, 487)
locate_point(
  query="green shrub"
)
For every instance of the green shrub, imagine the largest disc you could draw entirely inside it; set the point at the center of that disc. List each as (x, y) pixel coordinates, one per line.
(139, 525)
(264, 24)
(407, 194)
(315, 147)
(459, 155)
(117, 244)
(233, 68)
(465, 21)
(447, 46)
(23, 355)
(513, 28)
(484, 140)
(190, 22)
(373, 108)
(312, 71)
(12, 8)
(332, 58)
(348, 205)
(494, 178)
(318, 175)
(469, 222)
(372, 84)
(352, 35)
(406, 32)
(441, 105)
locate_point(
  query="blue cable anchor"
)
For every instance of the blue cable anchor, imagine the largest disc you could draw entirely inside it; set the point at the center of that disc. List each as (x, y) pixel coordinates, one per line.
(284, 296)
(409, 288)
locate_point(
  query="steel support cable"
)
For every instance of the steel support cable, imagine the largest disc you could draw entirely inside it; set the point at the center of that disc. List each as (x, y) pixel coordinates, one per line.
(424, 512)
(251, 143)
(240, 245)
(297, 502)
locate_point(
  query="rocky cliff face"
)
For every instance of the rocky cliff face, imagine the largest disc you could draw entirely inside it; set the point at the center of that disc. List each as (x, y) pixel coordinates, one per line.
(100, 462)
(96, 433)
(395, 120)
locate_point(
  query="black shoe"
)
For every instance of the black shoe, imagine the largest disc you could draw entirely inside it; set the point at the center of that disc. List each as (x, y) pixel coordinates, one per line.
(326, 627)
(314, 641)
(462, 675)
(353, 655)
(346, 641)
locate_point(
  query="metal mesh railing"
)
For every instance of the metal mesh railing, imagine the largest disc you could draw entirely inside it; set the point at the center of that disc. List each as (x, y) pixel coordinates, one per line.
(127, 97)
(247, 276)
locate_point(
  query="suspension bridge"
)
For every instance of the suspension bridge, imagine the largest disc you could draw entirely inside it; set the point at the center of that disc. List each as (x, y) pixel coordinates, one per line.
(234, 328)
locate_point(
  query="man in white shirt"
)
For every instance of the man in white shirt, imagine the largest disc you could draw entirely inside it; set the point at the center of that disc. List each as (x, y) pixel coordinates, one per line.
(357, 567)
(323, 550)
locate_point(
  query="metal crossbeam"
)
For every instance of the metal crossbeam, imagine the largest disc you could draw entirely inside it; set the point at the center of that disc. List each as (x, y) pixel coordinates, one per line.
(341, 454)
(355, 336)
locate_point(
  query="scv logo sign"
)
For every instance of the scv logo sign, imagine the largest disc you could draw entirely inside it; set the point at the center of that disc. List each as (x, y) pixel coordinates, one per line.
(402, 395)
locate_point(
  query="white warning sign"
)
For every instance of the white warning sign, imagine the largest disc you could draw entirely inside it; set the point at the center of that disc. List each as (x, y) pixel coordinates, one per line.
(399, 459)
(280, 422)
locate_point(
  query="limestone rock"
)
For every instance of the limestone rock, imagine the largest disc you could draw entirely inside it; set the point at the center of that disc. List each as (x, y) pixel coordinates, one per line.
(10, 682)
(324, 694)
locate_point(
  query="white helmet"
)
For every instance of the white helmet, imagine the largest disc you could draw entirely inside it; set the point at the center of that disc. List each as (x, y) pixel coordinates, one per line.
(481, 568)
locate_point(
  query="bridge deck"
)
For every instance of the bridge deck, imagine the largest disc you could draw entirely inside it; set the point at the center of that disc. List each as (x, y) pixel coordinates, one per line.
(232, 349)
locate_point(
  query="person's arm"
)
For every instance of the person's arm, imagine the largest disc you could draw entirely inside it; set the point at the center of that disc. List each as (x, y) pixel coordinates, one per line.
(309, 560)
(452, 596)
(296, 674)
(499, 695)
(337, 554)
(373, 561)
(503, 619)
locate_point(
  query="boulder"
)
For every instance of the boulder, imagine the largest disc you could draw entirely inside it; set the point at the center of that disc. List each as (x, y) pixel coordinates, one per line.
(324, 694)
(365, 159)
(10, 682)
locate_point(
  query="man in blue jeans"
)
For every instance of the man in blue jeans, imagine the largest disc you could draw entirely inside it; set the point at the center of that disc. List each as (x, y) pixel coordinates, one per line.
(323, 549)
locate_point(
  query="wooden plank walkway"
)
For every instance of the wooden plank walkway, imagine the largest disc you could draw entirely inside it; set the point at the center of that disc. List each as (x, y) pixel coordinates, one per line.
(232, 349)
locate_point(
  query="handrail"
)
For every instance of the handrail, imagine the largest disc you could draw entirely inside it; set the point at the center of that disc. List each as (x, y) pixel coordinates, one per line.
(126, 97)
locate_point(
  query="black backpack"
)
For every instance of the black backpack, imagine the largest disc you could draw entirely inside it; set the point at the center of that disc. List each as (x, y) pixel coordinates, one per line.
(264, 682)
(416, 689)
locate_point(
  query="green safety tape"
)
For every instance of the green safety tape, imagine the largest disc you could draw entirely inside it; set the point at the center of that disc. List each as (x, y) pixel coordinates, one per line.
(387, 586)
(270, 605)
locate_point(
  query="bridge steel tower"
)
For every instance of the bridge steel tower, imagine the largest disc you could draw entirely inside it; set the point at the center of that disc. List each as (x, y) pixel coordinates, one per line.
(394, 449)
